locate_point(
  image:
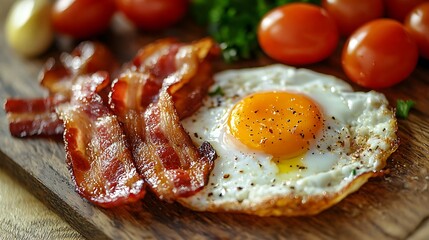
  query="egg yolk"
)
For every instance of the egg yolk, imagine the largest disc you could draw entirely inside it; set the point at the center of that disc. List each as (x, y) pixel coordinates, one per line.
(282, 124)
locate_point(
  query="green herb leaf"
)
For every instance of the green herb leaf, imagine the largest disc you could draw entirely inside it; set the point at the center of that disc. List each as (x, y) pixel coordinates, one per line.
(233, 23)
(354, 172)
(217, 91)
(403, 107)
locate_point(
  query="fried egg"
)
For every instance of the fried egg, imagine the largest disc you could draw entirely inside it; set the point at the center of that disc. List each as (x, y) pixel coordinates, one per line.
(289, 141)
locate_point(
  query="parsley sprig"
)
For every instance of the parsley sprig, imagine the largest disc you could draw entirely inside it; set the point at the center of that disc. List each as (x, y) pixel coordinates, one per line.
(403, 107)
(233, 23)
(217, 92)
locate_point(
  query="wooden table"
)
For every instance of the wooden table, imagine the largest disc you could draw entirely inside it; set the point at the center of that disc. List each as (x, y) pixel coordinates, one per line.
(23, 216)
(391, 207)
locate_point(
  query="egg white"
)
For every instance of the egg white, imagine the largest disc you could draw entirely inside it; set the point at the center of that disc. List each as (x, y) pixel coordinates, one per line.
(359, 133)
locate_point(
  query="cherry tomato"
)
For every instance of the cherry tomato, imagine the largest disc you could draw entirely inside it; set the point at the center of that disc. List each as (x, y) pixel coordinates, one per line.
(379, 54)
(399, 9)
(417, 22)
(153, 14)
(298, 34)
(351, 14)
(82, 18)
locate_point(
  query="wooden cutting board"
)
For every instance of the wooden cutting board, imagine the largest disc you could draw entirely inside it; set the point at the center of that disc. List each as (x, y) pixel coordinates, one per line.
(391, 207)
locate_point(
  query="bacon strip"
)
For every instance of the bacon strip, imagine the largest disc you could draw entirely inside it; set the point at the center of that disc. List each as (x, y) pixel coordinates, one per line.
(97, 152)
(86, 58)
(34, 116)
(184, 168)
(160, 59)
(143, 100)
(37, 117)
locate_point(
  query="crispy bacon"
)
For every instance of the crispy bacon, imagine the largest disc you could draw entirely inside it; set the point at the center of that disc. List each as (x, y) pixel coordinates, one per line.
(37, 117)
(189, 98)
(160, 60)
(56, 78)
(184, 168)
(165, 82)
(97, 152)
(86, 58)
(143, 100)
(34, 117)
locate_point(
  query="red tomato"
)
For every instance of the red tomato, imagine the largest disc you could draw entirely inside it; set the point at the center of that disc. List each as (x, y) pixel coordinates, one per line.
(379, 54)
(351, 14)
(82, 18)
(399, 9)
(417, 23)
(153, 14)
(298, 34)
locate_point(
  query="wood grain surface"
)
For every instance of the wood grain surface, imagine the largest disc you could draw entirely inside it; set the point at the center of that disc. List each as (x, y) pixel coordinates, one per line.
(395, 206)
(22, 216)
